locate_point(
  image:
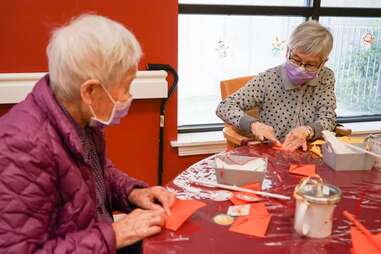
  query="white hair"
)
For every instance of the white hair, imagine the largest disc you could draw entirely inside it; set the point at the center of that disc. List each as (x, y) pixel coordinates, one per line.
(90, 47)
(311, 38)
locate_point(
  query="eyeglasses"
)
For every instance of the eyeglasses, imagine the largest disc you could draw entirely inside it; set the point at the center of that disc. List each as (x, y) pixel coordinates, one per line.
(307, 67)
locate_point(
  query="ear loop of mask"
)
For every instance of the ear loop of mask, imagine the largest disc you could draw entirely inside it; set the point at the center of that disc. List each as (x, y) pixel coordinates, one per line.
(112, 111)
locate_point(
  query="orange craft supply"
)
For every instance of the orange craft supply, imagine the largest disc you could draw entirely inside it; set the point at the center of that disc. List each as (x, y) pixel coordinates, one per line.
(302, 169)
(257, 227)
(371, 238)
(276, 147)
(181, 211)
(361, 244)
(255, 224)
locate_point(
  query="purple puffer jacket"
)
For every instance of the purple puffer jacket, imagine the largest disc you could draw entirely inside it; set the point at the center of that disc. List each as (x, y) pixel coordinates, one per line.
(47, 189)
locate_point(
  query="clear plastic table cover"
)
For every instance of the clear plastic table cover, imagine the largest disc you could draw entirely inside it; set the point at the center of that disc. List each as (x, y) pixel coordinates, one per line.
(361, 196)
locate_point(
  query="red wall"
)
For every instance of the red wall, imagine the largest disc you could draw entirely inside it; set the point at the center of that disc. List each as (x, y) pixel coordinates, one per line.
(133, 145)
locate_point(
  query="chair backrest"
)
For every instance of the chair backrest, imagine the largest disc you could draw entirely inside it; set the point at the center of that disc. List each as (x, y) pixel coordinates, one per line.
(230, 86)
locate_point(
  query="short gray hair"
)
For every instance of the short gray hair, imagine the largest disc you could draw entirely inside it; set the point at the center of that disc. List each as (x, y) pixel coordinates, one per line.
(312, 38)
(90, 47)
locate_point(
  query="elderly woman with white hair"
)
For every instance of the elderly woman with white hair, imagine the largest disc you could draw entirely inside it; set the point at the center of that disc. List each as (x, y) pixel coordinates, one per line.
(296, 99)
(57, 188)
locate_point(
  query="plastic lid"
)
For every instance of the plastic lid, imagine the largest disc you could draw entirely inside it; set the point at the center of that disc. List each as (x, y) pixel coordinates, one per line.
(314, 190)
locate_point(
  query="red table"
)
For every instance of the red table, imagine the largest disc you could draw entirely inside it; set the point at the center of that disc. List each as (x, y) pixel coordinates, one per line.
(361, 196)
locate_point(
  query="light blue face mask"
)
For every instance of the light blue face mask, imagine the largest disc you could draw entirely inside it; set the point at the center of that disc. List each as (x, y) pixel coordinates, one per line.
(119, 110)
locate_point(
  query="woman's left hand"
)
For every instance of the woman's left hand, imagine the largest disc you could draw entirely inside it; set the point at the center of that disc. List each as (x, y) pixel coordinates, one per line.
(153, 198)
(296, 138)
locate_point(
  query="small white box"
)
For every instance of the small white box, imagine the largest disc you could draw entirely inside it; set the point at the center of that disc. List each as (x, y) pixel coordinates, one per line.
(238, 170)
(347, 161)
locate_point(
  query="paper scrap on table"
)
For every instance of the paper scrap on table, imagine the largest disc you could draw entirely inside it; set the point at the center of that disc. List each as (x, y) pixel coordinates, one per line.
(361, 244)
(254, 186)
(316, 150)
(302, 169)
(276, 147)
(181, 211)
(318, 142)
(254, 224)
(238, 210)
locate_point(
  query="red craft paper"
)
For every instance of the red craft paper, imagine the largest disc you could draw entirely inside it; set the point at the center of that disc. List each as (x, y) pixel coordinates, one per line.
(255, 224)
(252, 186)
(181, 211)
(302, 169)
(277, 147)
(257, 227)
(361, 244)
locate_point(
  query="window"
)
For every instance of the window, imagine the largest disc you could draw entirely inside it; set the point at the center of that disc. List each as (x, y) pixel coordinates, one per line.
(246, 2)
(222, 39)
(356, 60)
(351, 3)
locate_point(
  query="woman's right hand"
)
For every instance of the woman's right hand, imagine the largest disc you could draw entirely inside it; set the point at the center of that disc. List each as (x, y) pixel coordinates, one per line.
(263, 131)
(138, 225)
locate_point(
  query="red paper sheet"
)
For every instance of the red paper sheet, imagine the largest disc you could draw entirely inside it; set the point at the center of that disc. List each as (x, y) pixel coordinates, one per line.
(181, 211)
(275, 147)
(302, 169)
(253, 186)
(257, 227)
(361, 244)
(255, 224)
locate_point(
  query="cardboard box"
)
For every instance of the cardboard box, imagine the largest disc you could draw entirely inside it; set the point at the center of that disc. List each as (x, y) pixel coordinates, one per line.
(347, 161)
(238, 170)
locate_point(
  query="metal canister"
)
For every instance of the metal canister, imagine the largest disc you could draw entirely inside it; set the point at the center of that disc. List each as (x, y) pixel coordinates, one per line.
(315, 204)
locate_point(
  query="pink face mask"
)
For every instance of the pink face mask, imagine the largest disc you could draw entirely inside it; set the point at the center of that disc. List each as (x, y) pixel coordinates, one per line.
(119, 110)
(297, 75)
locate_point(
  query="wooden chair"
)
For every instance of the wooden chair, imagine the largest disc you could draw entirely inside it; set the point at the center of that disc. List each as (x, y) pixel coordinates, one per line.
(234, 136)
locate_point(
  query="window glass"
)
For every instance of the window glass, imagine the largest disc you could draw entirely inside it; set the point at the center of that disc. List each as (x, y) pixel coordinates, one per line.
(218, 47)
(246, 2)
(356, 60)
(351, 3)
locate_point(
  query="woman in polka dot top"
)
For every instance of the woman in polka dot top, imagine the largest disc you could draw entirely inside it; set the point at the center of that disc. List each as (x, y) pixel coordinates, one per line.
(296, 99)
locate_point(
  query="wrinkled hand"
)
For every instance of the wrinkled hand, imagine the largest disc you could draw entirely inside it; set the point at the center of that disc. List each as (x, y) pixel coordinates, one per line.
(138, 225)
(153, 198)
(263, 131)
(296, 138)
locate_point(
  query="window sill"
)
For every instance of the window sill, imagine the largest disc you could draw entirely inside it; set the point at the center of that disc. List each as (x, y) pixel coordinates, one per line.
(212, 142)
(199, 143)
(364, 128)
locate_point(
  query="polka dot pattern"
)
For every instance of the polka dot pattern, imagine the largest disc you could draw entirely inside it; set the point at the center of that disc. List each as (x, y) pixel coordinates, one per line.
(281, 106)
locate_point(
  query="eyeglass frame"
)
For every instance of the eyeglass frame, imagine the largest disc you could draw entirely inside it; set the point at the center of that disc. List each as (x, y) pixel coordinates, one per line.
(305, 66)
